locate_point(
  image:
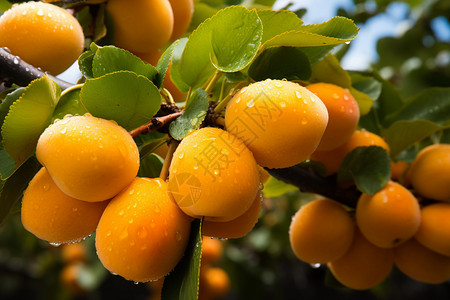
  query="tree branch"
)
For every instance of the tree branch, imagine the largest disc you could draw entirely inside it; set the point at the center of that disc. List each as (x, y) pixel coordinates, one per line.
(309, 181)
(155, 124)
(15, 70)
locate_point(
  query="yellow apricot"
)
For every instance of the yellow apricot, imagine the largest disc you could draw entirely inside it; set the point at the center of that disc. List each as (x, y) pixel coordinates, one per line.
(212, 250)
(434, 229)
(321, 231)
(389, 217)
(213, 174)
(430, 172)
(343, 114)
(333, 159)
(236, 228)
(89, 158)
(422, 264)
(280, 121)
(55, 217)
(142, 233)
(182, 15)
(214, 283)
(364, 265)
(42, 34)
(141, 25)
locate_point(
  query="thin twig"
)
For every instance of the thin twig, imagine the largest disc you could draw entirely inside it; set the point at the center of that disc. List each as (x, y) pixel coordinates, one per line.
(173, 144)
(155, 124)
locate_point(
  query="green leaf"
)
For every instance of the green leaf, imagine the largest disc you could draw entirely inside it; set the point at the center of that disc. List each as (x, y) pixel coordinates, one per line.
(366, 84)
(8, 101)
(28, 117)
(364, 101)
(193, 116)
(7, 164)
(182, 283)
(163, 63)
(276, 188)
(125, 97)
(14, 187)
(277, 22)
(150, 166)
(69, 103)
(281, 63)
(431, 104)
(402, 134)
(369, 167)
(110, 59)
(230, 39)
(175, 68)
(329, 70)
(86, 60)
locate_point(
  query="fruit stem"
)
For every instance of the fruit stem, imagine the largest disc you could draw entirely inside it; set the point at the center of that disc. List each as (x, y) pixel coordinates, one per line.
(155, 123)
(220, 121)
(222, 103)
(173, 144)
(167, 96)
(212, 80)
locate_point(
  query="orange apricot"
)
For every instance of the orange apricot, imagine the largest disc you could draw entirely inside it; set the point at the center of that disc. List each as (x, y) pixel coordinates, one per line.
(422, 264)
(89, 158)
(389, 217)
(398, 170)
(214, 283)
(42, 34)
(55, 217)
(75, 252)
(212, 250)
(213, 174)
(429, 174)
(333, 159)
(364, 265)
(235, 228)
(142, 233)
(280, 121)
(141, 25)
(434, 229)
(182, 15)
(321, 231)
(343, 114)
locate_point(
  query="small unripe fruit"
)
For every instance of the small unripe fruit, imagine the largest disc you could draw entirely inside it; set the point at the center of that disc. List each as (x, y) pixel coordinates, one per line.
(89, 158)
(321, 231)
(55, 217)
(42, 34)
(280, 121)
(142, 233)
(389, 217)
(213, 174)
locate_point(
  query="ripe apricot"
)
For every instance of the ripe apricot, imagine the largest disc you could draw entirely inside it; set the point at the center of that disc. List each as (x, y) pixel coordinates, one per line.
(42, 34)
(364, 265)
(89, 158)
(280, 121)
(434, 229)
(55, 217)
(343, 114)
(75, 252)
(398, 170)
(142, 233)
(389, 217)
(422, 264)
(141, 25)
(333, 159)
(430, 172)
(212, 250)
(182, 15)
(236, 228)
(321, 231)
(214, 283)
(213, 174)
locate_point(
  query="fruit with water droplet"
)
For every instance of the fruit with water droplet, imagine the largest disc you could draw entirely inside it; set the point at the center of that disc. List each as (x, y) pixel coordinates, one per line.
(82, 169)
(56, 221)
(282, 126)
(154, 242)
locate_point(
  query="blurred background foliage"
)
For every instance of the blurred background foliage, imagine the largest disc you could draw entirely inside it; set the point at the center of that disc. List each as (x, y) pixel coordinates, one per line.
(261, 265)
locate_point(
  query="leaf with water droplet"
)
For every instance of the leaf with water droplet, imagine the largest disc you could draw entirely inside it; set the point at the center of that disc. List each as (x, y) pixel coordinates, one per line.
(193, 116)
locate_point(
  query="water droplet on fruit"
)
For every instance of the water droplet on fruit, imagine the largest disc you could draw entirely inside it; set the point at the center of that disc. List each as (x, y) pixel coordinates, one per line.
(304, 121)
(75, 209)
(181, 155)
(55, 244)
(238, 100)
(108, 233)
(216, 171)
(178, 236)
(278, 84)
(121, 212)
(16, 60)
(315, 266)
(196, 167)
(40, 12)
(131, 221)
(46, 187)
(131, 192)
(283, 104)
(298, 94)
(251, 103)
(342, 108)
(63, 131)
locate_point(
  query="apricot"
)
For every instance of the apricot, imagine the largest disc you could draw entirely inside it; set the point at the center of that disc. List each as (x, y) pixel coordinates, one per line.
(141, 25)
(430, 172)
(343, 114)
(55, 217)
(364, 265)
(333, 159)
(280, 121)
(214, 283)
(398, 170)
(422, 264)
(213, 174)
(182, 16)
(142, 233)
(236, 228)
(75, 252)
(89, 158)
(389, 217)
(42, 34)
(212, 250)
(434, 229)
(321, 231)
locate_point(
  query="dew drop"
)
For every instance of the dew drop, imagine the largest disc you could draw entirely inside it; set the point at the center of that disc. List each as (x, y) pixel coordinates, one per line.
(131, 192)
(63, 131)
(298, 94)
(278, 84)
(16, 60)
(304, 121)
(178, 236)
(181, 155)
(121, 212)
(251, 103)
(55, 244)
(75, 209)
(108, 233)
(131, 221)
(283, 104)
(238, 100)
(46, 187)
(216, 171)
(342, 108)
(196, 167)
(315, 266)
(335, 96)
